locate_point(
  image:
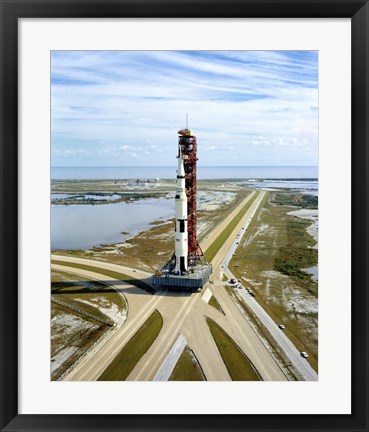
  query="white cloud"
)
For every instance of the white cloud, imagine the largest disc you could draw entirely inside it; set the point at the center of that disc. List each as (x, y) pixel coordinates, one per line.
(125, 104)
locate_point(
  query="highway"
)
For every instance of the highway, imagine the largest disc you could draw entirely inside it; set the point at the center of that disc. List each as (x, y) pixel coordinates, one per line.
(301, 365)
(183, 314)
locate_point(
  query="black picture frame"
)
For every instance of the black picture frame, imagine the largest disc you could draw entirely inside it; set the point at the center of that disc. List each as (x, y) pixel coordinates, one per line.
(11, 11)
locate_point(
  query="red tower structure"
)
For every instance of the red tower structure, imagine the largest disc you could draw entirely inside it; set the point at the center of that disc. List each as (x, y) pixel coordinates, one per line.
(187, 148)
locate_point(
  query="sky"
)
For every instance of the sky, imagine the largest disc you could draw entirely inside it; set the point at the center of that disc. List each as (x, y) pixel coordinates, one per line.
(124, 108)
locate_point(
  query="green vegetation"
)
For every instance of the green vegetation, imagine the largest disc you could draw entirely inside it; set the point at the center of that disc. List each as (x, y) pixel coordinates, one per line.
(131, 353)
(297, 253)
(214, 302)
(115, 275)
(187, 368)
(220, 240)
(296, 200)
(239, 366)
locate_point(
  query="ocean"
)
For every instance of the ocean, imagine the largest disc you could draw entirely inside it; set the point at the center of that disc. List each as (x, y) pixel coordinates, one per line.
(203, 172)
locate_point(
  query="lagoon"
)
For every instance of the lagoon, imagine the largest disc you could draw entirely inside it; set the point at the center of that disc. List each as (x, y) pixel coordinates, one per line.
(84, 226)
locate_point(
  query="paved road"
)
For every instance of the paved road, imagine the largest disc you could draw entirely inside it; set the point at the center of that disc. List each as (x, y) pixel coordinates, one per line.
(171, 360)
(182, 314)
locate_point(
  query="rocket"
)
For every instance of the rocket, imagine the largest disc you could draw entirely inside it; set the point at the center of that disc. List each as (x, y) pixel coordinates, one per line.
(181, 234)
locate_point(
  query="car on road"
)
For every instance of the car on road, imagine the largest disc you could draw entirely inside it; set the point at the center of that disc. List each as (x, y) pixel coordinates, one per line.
(282, 326)
(304, 354)
(232, 281)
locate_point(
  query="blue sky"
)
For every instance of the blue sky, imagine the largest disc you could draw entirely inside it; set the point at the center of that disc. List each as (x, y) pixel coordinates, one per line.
(124, 108)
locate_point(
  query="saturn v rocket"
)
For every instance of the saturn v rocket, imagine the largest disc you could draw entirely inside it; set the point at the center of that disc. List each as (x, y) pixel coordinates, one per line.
(187, 251)
(181, 234)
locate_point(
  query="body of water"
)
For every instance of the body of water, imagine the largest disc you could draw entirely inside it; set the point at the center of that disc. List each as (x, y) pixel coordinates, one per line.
(305, 186)
(203, 172)
(84, 226)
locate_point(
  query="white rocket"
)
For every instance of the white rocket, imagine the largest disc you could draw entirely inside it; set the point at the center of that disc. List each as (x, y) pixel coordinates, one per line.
(181, 236)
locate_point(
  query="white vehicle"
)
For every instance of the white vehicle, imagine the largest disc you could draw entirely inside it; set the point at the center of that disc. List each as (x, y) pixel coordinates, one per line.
(304, 354)
(282, 326)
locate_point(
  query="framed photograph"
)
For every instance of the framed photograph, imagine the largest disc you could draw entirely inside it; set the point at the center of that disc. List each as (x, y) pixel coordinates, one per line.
(164, 166)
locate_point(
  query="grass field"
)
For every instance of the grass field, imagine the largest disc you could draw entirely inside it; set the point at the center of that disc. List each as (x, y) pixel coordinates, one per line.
(214, 302)
(239, 366)
(297, 253)
(131, 353)
(187, 368)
